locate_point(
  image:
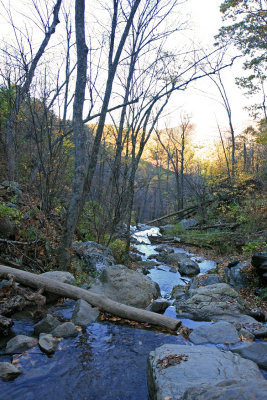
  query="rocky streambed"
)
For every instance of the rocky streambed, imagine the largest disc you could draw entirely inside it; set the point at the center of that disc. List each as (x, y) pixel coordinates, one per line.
(71, 355)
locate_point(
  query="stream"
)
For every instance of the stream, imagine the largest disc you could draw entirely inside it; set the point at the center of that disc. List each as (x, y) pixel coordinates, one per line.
(105, 361)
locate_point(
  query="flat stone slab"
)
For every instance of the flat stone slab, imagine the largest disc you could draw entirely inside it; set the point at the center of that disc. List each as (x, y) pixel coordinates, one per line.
(204, 366)
(219, 332)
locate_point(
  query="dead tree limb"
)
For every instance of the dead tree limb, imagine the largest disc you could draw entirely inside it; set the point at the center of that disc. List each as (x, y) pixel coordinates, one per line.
(180, 211)
(102, 302)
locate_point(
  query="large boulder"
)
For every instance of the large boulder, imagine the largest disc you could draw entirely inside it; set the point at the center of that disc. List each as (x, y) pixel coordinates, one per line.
(20, 343)
(256, 352)
(60, 276)
(95, 256)
(169, 379)
(229, 390)
(188, 223)
(216, 301)
(219, 332)
(126, 286)
(236, 275)
(84, 313)
(185, 265)
(204, 280)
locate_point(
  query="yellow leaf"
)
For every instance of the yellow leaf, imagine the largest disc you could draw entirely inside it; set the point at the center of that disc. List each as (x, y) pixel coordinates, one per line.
(79, 328)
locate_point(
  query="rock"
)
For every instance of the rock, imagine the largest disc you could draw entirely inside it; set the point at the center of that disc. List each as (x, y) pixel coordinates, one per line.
(178, 292)
(60, 276)
(236, 275)
(5, 325)
(188, 223)
(256, 352)
(258, 314)
(185, 265)
(48, 343)
(8, 371)
(126, 286)
(229, 390)
(84, 313)
(19, 344)
(15, 189)
(244, 334)
(173, 269)
(219, 332)
(204, 280)
(46, 325)
(65, 330)
(205, 366)
(134, 257)
(95, 256)
(163, 248)
(212, 302)
(258, 259)
(158, 305)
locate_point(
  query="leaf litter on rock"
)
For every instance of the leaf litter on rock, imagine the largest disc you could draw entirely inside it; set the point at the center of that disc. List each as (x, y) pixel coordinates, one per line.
(170, 360)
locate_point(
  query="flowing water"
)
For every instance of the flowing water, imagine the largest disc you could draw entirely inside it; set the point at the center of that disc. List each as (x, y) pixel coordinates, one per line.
(105, 362)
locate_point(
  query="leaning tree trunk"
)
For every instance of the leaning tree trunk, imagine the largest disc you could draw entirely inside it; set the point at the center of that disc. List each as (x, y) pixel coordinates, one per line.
(102, 302)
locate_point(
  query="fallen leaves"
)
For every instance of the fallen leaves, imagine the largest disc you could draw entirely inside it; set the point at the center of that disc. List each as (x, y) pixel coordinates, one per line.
(171, 360)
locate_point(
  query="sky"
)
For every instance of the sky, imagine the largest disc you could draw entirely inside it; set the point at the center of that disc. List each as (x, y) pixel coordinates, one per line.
(201, 100)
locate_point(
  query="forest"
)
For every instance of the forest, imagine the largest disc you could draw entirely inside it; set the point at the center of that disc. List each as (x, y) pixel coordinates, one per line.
(81, 138)
(133, 255)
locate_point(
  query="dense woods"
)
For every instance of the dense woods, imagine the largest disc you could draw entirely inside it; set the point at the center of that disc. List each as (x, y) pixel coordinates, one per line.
(84, 153)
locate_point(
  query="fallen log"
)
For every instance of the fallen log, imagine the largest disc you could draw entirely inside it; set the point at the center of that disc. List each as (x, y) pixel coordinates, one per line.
(96, 300)
(188, 209)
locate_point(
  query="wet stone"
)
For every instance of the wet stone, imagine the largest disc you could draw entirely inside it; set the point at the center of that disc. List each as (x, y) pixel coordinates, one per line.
(46, 325)
(68, 329)
(19, 344)
(8, 371)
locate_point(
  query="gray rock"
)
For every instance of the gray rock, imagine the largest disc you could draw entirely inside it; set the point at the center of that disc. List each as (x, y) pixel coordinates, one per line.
(95, 256)
(173, 269)
(185, 265)
(205, 366)
(188, 223)
(83, 313)
(204, 280)
(219, 332)
(65, 330)
(48, 343)
(60, 276)
(126, 286)
(212, 302)
(163, 248)
(158, 305)
(46, 325)
(8, 371)
(20, 343)
(256, 352)
(178, 292)
(15, 189)
(229, 390)
(236, 276)
(134, 256)
(245, 334)
(258, 259)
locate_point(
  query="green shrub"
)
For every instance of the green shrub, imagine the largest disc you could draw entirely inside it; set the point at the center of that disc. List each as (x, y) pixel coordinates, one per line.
(11, 213)
(118, 248)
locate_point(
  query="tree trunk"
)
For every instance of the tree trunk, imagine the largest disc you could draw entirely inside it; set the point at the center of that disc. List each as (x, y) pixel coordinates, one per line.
(103, 303)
